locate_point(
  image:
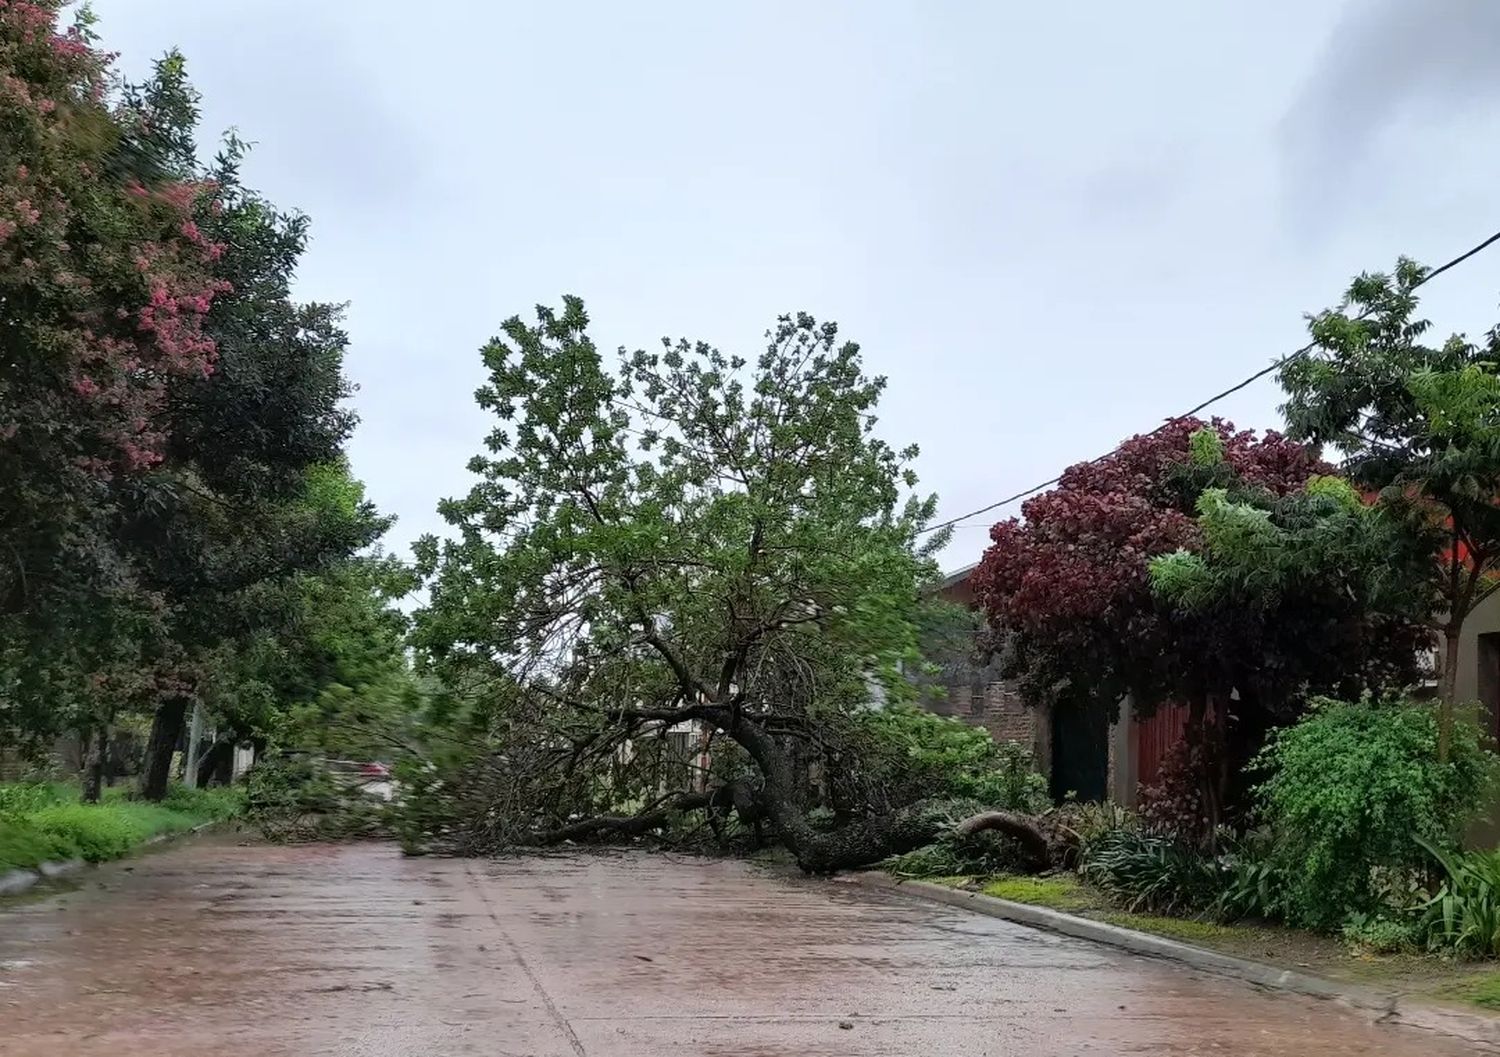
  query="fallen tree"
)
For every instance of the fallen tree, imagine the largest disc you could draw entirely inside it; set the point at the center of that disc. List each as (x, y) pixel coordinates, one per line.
(677, 573)
(494, 804)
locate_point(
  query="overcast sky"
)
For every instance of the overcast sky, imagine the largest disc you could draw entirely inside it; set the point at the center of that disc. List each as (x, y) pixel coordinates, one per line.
(1051, 226)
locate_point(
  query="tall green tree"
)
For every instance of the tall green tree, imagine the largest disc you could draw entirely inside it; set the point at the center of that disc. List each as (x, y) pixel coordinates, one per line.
(321, 667)
(1419, 422)
(105, 283)
(172, 472)
(251, 491)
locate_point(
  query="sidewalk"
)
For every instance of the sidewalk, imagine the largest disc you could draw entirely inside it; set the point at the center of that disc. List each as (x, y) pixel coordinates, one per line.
(1384, 1006)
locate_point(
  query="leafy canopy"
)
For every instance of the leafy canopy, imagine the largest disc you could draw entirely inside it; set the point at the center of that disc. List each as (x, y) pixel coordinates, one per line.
(1069, 589)
(677, 523)
(1420, 424)
(688, 537)
(1357, 785)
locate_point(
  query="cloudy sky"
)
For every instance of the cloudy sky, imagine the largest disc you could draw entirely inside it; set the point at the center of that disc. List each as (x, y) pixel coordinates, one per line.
(1050, 226)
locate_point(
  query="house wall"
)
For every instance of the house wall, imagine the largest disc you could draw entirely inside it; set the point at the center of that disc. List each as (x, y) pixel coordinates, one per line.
(977, 695)
(1477, 661)
(1478, 679)
(980, 700)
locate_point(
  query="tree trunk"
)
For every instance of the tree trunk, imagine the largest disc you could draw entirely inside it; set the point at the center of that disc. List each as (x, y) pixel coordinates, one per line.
(1042, 850)
(618, 825)
(190, 757)
(166, 729)
(1449, 688)
(1216, 764)
(93, 764)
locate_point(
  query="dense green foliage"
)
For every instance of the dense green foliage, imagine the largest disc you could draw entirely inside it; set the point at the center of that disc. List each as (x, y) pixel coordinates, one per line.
(177, 520)
(1382, 933)
(1353, 792)
(1211, 567)
(1151, 872)
(944, 758)
(44, 823)
(1464, 914)
(1420, 424)
(1328, 587)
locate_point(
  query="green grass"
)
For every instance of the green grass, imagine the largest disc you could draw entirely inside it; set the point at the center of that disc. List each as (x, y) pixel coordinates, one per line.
(24, 846)
(1443, 980)
(1059, 891)
(1209, 933)
(46, 823)
(219, 804)
(1482, 991)
(1071, 894)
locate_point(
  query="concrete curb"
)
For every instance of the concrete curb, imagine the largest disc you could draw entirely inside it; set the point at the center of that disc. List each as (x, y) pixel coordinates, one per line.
(1386, 1007)
(17, 881)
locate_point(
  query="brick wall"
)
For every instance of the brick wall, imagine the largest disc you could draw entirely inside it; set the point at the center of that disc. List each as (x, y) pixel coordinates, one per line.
(967, 685)
(995, 705)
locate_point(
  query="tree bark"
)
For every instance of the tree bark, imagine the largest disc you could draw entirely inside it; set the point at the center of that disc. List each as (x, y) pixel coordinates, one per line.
(618, 825)
(864, 841)
(1448, 688)
(1041, 852)
(166, 729)
(93, 764)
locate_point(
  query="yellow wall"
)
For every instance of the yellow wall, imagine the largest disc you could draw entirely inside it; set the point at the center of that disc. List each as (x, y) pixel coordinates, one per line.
(1484, 620)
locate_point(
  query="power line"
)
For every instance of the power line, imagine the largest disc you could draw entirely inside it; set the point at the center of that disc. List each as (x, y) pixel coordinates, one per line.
(1257, 376)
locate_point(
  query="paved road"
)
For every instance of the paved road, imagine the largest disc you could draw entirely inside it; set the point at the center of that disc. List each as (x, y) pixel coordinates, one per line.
(220, 950)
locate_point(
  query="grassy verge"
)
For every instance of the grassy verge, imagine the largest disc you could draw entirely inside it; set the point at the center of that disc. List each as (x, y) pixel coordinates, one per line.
(1428, 977)
(45, 823)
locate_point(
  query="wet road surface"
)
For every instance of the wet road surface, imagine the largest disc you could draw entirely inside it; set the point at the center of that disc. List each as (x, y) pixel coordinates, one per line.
(219, 949)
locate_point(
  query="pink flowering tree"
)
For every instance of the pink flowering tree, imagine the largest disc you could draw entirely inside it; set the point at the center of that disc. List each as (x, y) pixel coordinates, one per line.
(171, 421)
(105, 281)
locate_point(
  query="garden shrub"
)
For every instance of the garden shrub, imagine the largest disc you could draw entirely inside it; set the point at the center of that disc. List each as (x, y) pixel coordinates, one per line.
(1252, 882)
(100, 832)
(945, 758)
(1464, 915)
(1008, 779)
(1174, 804)
(1382, 933)
(1091, 822)
(1151, 872)
(1353, 791)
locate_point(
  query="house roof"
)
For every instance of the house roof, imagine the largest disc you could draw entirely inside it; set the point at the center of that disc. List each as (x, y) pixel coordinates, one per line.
(951, 580)
(956, 577)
